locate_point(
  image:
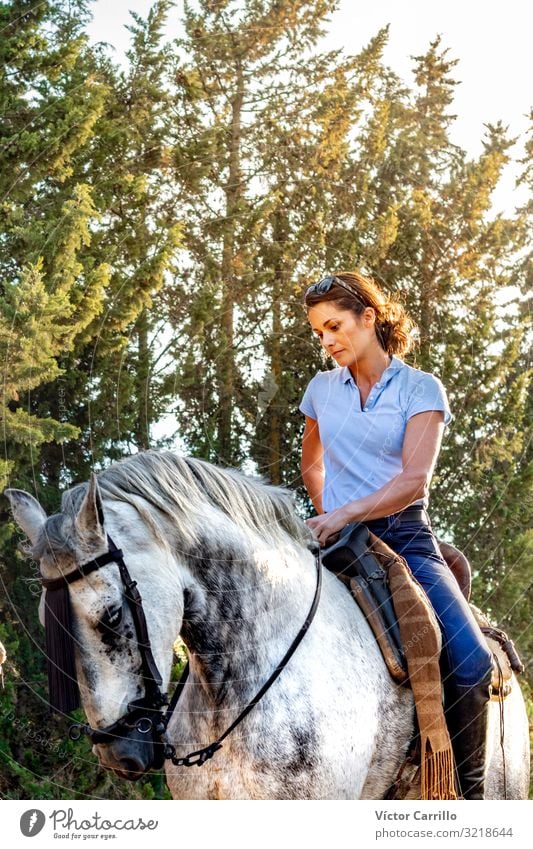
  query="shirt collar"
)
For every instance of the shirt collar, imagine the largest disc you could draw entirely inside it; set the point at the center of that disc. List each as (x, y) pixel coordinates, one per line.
(394, 366)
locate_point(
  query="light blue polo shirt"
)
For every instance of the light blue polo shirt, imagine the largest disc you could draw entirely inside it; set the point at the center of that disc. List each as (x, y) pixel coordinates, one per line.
(363, 447)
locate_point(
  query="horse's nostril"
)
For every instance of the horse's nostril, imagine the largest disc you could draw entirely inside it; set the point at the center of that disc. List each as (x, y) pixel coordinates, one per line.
(131, 765)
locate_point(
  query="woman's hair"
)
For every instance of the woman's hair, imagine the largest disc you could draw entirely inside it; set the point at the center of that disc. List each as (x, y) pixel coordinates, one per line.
(393, 325)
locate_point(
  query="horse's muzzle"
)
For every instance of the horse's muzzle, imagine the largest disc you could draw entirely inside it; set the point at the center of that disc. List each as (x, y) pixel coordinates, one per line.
(130, 756)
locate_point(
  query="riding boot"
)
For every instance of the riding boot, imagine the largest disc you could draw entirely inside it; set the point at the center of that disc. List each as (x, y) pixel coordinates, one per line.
(467, 718)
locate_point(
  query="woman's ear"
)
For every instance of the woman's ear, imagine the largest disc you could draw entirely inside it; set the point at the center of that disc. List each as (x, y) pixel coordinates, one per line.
(369, 316)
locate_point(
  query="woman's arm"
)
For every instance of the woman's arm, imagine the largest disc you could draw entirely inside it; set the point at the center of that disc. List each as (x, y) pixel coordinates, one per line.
(312, 465)
(421, 446)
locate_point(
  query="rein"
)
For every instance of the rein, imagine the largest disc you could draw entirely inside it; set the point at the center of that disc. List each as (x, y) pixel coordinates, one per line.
(145, 714)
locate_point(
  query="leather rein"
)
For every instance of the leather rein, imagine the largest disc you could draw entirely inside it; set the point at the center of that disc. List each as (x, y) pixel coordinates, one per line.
(146, 715)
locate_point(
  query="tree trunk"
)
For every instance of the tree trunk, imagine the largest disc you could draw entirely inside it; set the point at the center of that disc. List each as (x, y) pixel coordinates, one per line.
(278, 289)
(144, 406)
(226, 362)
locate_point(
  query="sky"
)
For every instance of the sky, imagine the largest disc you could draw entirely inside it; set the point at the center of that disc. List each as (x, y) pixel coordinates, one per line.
(491, 40)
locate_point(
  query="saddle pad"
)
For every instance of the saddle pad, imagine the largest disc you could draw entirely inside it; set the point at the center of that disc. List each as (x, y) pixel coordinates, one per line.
(353, 559)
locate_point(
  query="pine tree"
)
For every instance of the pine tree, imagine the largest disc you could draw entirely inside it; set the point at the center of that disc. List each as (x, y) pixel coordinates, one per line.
(66, 263)
(311, 125)
(141, 207)
(502, 541)
(237, 60)
(109, 390)
(49, 295)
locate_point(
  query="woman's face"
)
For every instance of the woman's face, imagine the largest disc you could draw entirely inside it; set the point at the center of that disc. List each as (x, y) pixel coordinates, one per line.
(347, 337)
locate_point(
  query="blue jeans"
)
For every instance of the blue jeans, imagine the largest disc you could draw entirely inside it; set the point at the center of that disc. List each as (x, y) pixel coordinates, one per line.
(465, 655)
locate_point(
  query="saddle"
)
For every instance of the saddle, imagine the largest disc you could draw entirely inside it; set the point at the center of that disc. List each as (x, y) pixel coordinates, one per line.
(360, 560)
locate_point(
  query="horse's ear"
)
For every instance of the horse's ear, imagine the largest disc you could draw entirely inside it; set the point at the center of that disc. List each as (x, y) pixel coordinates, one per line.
(90, 518)
(27, 512)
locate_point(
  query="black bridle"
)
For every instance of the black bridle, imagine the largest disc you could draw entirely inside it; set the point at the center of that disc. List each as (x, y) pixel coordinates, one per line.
(146, 714)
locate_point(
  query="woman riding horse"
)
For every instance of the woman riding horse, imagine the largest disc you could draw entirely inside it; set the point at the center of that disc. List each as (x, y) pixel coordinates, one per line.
(372, 436)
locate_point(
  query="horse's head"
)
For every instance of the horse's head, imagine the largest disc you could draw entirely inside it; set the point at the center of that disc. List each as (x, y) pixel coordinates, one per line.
(111, 670)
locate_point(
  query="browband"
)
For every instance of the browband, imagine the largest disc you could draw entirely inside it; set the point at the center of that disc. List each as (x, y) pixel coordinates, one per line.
(83, 569)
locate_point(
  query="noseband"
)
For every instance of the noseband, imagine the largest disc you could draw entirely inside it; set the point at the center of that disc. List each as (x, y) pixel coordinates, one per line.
(145, 715)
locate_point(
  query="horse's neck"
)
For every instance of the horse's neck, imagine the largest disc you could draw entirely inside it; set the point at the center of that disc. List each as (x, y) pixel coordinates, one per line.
(241, 614)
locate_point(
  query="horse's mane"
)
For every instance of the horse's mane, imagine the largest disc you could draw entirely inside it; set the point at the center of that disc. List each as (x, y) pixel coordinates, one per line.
(183, 487)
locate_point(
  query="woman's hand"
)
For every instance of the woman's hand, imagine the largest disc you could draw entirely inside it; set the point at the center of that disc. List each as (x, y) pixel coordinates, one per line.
(327, 524)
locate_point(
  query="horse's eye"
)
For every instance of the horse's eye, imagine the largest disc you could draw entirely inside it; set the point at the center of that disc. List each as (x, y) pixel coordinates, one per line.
(111, 619)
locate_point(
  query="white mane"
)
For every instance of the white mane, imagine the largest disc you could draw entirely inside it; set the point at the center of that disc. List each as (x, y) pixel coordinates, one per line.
(186, 487)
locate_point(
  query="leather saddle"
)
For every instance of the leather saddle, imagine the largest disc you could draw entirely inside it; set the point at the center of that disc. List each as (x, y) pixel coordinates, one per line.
(360, 559)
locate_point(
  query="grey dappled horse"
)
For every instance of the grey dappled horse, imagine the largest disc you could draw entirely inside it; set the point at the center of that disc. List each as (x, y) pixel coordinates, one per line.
(224, 561)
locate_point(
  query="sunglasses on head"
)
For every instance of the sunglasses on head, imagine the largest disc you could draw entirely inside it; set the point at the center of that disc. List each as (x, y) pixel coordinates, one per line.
(323, 286)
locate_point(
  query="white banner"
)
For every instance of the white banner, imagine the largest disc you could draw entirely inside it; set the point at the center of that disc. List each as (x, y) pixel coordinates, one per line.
(253, 825)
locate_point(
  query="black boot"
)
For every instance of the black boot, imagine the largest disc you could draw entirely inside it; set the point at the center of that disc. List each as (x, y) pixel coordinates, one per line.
(467, 717)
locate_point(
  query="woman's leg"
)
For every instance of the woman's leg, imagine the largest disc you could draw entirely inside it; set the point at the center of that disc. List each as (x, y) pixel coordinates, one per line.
(466, 654)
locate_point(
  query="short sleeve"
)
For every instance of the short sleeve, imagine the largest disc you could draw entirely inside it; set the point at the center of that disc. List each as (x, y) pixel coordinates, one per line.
(426, 394)
(307, 406)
